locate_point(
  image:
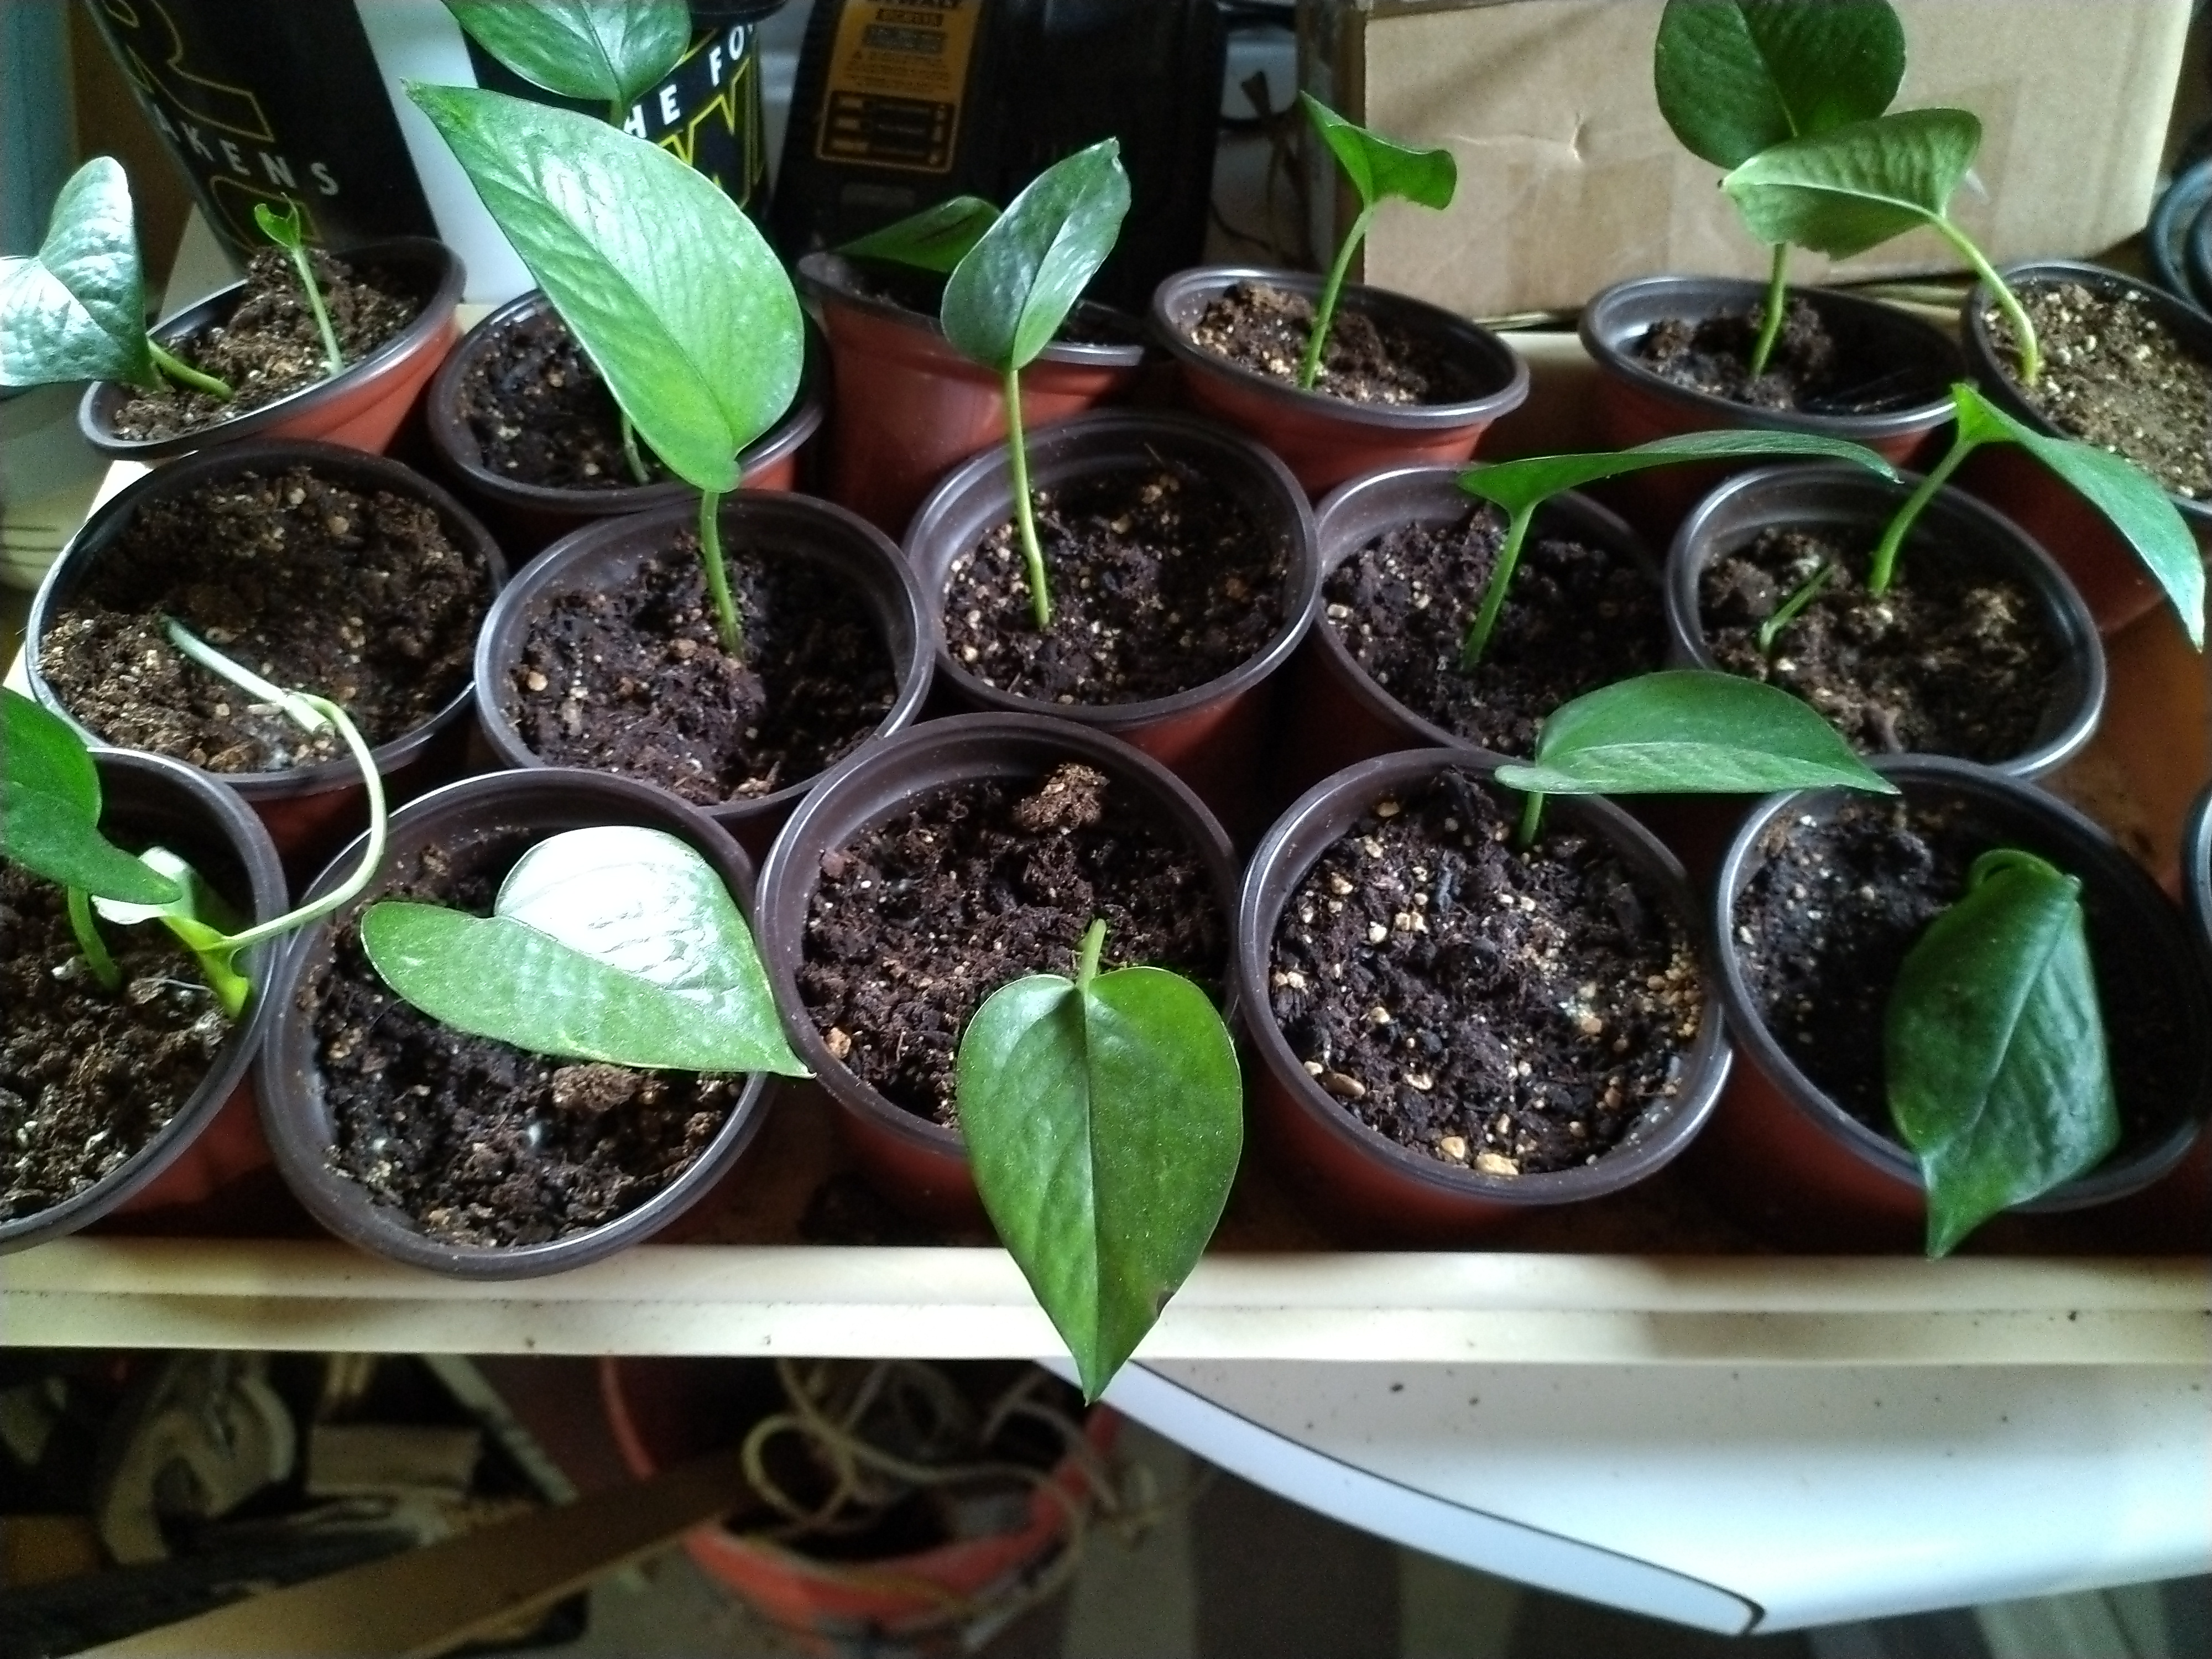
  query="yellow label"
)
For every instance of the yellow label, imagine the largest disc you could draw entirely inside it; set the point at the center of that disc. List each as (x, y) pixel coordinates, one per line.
(896, 81)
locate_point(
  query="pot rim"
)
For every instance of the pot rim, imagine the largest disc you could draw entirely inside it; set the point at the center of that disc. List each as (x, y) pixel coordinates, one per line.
(356, 469)
(826, 277)
(1103, 442)
(959, 749)
(95, 412)
(2130, 886)
(2197, 871)
(1315, 822)
(291, 1105)
(1178, 290)
(770, 513)
(1602, 329)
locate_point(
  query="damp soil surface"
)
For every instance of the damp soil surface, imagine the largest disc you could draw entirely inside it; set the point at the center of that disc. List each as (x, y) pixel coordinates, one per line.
(270, 347)
(541, 415)
(1579, 616)
(917, 921)
(631, 676)
(1089, 324)
(2115, 376)
(1161, 581)
(479, 1142)
(1368, 359)
(1505, 1011)
(88, 1076)
(1712, 355)
(359, 596)
(1951, 660)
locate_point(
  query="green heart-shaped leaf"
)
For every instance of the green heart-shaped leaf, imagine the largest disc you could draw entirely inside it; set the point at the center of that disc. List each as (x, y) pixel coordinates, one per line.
(78, 312)
(50, 810)
(607, 50)
(1104, 1121)
(1995, 1044)
(1845, 191)
(1007, 298)
(616, 944)
(1734, 78)
(1379, 169)
(682, 304)
(1688, 731)
(1519, 486)
(936, 239)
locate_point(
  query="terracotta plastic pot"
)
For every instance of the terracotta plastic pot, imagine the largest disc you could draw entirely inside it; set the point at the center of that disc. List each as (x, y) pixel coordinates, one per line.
(1213, 736)
(1338, 714)
(1361, 1181)
(150, 800)
(908, 407)
(1910, 368)
(360, 407)
(310, 811)
(1854, 503)
(607, 554)
(919, 1164)
(1326, 440)
(527, 516)
(2112, 581)
(295, 1114)
(1790, 1162)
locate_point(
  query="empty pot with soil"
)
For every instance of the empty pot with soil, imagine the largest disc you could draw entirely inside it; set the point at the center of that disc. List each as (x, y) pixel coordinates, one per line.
(1673, 354)
(926, 872)
(1401, 381)
(1180, 560)
(1979, 649)
(104, 1094)
(2125, 367)
(392, 308)
(1453, 1032)
(522, 422)
(460, 1153)
(605, 653)
(321, 567)
(1818, 900)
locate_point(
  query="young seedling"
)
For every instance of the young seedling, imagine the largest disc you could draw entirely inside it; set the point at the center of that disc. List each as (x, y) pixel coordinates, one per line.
(283, 230)
(1736, 78)
(1104, 1119)
(1009, 294)
(935, 239)
(1380, 171)
(603, 51)
(1520, 488)
(1994, 1044)
(663, 280)
(77, 311)
(1683, 731)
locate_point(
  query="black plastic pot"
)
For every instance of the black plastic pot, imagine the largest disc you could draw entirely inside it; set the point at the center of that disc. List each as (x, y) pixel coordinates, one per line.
(294, 1114)
(918, 1164)
(1354, 1177)
(150, 800)
(1857, 504)
(1787, 1160)
(606, 555)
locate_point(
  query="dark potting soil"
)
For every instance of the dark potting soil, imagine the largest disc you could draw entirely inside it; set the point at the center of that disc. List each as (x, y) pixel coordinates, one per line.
(1826, 922)
(270, 346)
(2115, 376)
(362, 598)
(1259, 326)
(1949, 661)
(1712, 355)
(541, 415)
(918, 921)
(633, 678)
(1161, 581)
(1507, 1011)
(88, 1076)
(923, 292)
(480, 1143)
(1576, 616)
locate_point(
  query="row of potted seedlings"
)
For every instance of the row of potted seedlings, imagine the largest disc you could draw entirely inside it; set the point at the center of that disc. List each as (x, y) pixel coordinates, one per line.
(1176, 643)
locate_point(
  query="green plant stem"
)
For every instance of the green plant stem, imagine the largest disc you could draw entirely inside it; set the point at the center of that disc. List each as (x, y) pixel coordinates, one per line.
(631, 457)
(718, 574)
(1778, 298)
(1094, 940)
(2023, 332)
(1532, 818)
(1025, 515)
(90, 941)
(184, 374)
(1494, 597)
(1325, 312)
(1884, 564)
(333, 359)
(1771, 629)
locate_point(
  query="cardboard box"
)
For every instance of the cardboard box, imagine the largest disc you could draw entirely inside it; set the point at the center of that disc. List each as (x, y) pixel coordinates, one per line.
(1570, 180)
